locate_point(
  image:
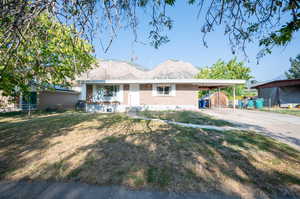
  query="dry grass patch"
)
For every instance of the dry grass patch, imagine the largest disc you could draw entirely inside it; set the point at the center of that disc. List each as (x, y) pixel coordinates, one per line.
(113, 149)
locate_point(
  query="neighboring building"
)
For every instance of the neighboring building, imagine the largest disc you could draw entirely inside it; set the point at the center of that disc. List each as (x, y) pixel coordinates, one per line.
(58, 99)
(281, 93)
(120, 86)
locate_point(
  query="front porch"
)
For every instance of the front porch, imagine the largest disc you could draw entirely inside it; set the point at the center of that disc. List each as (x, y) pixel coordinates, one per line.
(105, 97)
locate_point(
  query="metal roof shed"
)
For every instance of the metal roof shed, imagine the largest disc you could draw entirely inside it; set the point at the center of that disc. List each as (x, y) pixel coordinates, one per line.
(279, 92)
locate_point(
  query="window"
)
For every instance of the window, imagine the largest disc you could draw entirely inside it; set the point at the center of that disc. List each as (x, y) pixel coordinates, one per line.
(163, 90)
(109, 91)
(106, 92)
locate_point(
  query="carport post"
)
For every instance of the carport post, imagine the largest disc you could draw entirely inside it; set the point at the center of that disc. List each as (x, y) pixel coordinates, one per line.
(209, 102)
(233, 98)
(219, 106)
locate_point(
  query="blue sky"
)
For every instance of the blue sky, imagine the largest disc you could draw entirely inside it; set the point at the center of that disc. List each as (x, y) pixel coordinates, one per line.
(186, 45)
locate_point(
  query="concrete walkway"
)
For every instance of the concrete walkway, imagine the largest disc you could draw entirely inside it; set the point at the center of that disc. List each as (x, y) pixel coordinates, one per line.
(283, 127)
(218, 128)
(55, 190)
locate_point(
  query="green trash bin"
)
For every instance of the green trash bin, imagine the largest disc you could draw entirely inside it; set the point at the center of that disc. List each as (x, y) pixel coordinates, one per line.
(250, 104)
(259, 103)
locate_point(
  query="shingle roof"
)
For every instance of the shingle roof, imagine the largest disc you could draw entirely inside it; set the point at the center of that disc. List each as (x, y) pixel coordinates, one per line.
(120, 70)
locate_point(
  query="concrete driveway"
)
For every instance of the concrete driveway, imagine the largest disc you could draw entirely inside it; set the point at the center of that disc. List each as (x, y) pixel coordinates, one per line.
(279, 126)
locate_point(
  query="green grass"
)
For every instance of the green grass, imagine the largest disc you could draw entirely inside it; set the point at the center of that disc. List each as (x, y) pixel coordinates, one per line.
(113, 149)
(295, 112)
(74, 173)
(191, 117)
(33, 113)
(111, 139)
(159, 176)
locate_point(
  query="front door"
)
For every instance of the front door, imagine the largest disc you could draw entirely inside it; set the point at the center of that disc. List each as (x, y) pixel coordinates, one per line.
(134, 95)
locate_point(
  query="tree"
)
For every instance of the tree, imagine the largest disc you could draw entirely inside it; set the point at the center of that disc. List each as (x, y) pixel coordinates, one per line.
(222, 70)
(272, 22)
(49, 55)
(294, 71)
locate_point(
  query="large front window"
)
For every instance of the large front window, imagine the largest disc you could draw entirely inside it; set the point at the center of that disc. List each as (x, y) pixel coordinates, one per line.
(106, 93)
(109, 91)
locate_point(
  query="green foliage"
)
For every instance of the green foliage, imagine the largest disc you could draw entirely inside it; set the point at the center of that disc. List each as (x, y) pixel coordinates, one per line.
(281, 37)
(294, 71)
(271, 22)
(222, 70)
(49, 54)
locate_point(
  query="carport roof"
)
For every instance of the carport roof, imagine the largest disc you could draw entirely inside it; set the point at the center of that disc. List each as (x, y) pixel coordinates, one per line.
(199, 82)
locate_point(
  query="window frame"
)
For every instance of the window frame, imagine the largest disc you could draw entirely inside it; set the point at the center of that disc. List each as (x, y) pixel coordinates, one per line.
(115, 93)
(114, 90)
(164, 86)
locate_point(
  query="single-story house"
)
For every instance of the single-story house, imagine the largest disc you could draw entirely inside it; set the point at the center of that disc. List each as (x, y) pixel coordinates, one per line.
(281, 93)
(151, 94)
(115, 86)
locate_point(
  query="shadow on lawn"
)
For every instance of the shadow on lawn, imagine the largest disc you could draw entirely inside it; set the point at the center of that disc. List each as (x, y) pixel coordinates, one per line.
(33, 134)
(166, 157)
(170, 160)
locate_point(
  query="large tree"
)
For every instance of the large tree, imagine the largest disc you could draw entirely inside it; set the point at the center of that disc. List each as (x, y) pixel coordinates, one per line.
(24, 39)
(226, 70)
(272, 22)
(294, 71)
(49, 54)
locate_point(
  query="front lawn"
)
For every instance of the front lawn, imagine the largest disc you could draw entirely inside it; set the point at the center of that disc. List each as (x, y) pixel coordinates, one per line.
(191, 117)
(293, 111)
(113, 149)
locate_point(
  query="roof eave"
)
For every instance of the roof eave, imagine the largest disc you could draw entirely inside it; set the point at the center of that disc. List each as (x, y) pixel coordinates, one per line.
(223, 82)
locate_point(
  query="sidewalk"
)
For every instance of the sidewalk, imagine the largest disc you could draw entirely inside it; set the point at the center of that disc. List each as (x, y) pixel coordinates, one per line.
(55, 190)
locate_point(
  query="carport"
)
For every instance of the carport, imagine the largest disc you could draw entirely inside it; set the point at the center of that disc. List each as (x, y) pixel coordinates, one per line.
(212, 84)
